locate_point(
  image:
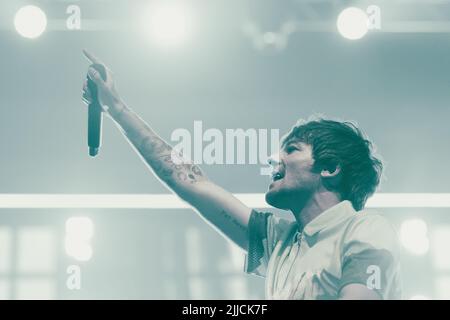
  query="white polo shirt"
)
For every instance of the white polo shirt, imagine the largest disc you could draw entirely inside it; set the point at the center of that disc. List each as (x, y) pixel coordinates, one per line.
(338, 247)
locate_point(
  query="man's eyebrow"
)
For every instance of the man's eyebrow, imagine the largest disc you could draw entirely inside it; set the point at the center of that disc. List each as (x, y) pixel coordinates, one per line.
(298, 144)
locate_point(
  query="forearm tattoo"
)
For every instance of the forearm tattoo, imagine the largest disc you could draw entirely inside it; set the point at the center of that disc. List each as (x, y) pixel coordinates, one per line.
(233, 220)
(158, 155)
(156, 152)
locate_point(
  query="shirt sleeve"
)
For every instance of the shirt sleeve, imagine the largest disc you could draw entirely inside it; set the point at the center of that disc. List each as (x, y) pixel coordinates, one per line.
(263, 232)
(371, 256)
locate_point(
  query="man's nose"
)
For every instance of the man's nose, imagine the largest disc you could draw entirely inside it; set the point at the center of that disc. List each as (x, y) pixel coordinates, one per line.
(274, 160)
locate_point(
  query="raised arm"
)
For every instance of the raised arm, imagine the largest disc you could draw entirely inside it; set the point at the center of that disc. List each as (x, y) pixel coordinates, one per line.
(219, 207)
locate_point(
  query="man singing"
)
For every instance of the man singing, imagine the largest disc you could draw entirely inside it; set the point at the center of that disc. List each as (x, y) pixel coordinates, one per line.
(325, 173)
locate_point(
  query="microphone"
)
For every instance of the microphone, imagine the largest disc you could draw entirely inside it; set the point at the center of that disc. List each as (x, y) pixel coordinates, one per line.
(95, 114)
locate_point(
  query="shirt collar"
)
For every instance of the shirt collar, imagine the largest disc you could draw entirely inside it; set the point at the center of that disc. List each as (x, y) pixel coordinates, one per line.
(330, 218)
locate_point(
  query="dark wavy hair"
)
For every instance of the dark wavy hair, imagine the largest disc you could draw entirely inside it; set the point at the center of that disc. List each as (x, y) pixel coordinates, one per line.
(343, 144)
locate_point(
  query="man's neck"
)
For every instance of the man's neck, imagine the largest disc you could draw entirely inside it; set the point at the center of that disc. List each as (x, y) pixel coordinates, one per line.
(314, 206)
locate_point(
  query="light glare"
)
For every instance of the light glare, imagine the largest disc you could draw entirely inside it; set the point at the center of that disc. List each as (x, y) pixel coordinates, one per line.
(79, 231)
(419, 297)
(77, 249)
(440, 239)
(413, 236)
(30, 21)
(167, 24)
(352, 23)
(80, 227)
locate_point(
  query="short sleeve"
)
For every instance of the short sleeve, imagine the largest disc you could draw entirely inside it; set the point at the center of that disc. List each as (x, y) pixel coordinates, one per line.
(263, 232)
(371, 256)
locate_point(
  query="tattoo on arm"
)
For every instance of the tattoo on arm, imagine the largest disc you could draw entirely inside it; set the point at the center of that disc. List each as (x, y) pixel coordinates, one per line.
(158, 155)
(156, 152)
(233, 220)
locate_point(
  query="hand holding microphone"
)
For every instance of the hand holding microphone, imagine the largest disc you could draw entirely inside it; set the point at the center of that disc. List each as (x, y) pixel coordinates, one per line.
(95, 113)
(100, 95)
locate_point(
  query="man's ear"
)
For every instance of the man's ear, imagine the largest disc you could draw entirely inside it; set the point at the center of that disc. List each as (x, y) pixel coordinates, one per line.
(330, 172)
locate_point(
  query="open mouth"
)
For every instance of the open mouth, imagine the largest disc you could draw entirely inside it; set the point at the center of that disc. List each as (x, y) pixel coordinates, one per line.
(277, 176)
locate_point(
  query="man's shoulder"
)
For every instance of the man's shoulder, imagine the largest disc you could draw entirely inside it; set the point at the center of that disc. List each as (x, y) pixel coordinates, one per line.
(371, 219)
(371, 227)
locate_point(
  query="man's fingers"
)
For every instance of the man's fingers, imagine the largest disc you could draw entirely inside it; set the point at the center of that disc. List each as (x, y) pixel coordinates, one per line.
(85, 85)
(95, 76)
(87, 98)
(91, 57)
(86, 92)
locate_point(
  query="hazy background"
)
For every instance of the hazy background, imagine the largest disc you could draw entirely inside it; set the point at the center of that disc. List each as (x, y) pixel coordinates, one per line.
(394, 84)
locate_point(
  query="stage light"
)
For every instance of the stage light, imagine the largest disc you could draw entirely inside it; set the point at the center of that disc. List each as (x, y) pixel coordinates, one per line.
(419, 297)
(167, 24)
(352, 23)
(77, 249)
(270, 38)
(81, 227)
(413, 236)
(442, 287)
(79, 231)
(440, 239)
(30, 21)
(171, 201)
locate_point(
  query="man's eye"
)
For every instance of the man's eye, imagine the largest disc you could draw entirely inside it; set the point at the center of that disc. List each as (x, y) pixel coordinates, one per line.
(291, 149)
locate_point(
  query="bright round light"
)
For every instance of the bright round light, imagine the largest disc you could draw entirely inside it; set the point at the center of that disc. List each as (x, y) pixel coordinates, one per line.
(30, 21)
(167, 24)
(270, 37)
(80, 227)
(413, 236)
(352, 23)
(80, 250)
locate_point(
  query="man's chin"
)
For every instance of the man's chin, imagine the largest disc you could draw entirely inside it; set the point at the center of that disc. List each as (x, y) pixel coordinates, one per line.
(275, 199)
